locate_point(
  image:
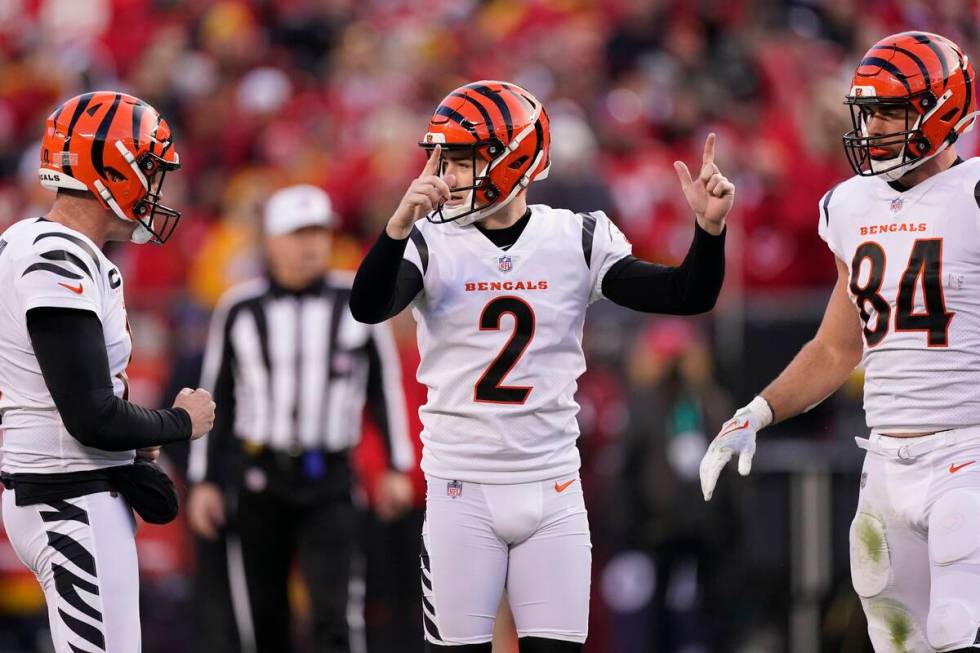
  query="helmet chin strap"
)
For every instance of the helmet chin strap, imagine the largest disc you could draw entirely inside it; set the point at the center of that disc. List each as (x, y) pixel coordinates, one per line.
(902, 170)
(141, 236)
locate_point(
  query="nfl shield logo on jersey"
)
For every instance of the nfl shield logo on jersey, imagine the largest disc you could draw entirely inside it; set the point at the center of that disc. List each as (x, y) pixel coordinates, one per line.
(454, 489)
(505, 263)
(896, 205)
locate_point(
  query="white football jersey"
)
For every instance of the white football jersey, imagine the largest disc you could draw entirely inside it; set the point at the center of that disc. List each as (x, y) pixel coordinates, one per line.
(914, 261)
(500, 335)
(44, 263)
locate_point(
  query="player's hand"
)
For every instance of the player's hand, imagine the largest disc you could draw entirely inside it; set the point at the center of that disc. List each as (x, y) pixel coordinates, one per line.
(710, 195)
(206, 510)
(394, 495)
(424, 195)
(737, 436)
(200, 407)
(152, 454)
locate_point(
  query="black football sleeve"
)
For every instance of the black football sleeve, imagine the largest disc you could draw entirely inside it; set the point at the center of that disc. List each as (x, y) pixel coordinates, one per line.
(385, 282)
(688, 289)
(70, 348)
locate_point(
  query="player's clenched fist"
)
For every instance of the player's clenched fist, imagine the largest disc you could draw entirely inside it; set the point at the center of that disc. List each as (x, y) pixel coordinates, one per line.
(710, 194)
(200, 407)
(424, 195)
(737, 436)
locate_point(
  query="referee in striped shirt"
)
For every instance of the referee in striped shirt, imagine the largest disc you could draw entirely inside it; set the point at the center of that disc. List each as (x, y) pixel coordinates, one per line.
(291, 372)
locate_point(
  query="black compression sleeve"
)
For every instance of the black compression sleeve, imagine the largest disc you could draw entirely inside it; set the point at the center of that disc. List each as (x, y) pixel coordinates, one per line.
(688, 289)
(70, 349)
(385, 282)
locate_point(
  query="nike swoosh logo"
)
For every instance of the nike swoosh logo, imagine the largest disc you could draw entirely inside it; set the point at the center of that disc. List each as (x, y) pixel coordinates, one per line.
(560, 487)
(955, 468)
(738, 427)
(75, 289)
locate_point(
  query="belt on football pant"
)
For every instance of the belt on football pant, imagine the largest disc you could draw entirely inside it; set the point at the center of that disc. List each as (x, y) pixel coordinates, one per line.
(924, 444)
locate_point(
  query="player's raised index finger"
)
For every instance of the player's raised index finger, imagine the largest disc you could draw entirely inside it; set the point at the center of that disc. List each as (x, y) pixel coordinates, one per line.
(433, 163)
(709, 150)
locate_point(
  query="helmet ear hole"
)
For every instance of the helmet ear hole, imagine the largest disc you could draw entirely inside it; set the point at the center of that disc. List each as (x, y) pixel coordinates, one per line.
(516, 165)
(114, 175)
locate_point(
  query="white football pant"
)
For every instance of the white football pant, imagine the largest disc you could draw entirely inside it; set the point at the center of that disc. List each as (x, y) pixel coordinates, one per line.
(83, 552)
(915, 541)
(532, 538)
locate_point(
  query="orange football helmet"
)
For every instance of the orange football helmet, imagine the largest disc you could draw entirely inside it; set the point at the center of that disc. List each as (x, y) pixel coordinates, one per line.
(505, 129)
(118, 148)
(927, 75)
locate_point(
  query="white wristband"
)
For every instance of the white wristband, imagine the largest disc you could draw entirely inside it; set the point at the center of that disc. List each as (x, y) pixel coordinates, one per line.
(760, 410)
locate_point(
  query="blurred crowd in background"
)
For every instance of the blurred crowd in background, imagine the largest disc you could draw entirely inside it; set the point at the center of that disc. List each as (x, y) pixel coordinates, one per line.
(264, 93)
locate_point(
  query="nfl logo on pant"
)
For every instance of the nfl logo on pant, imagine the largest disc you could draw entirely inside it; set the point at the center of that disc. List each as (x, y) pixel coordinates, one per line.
(454, 489)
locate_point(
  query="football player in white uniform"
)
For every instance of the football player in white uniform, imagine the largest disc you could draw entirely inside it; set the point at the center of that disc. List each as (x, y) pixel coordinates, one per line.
(500, 290)
(906, 234)
(75, 452)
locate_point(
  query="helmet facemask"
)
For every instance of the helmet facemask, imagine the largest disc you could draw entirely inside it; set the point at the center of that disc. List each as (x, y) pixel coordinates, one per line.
(156, 221)
(481, 195)
(914, 145)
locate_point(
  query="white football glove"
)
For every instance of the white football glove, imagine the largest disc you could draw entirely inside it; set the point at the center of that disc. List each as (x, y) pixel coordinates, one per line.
(737, 435)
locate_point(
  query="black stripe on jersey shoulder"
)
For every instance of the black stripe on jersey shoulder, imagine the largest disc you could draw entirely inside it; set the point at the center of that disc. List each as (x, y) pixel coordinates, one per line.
(826, 204)
(74, 239)
(976, 194)
(588, 235)
(68, 257)
(51, 267)
(421, 246)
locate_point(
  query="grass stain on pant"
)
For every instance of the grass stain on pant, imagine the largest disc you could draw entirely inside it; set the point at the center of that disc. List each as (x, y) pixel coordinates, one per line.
(871, 538)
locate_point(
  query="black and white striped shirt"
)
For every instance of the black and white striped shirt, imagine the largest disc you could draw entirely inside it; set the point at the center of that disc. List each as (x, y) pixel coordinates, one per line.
(293, 371)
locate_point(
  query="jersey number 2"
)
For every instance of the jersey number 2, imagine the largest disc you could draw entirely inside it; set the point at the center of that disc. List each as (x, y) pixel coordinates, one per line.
(488, 388)
(924, 269)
